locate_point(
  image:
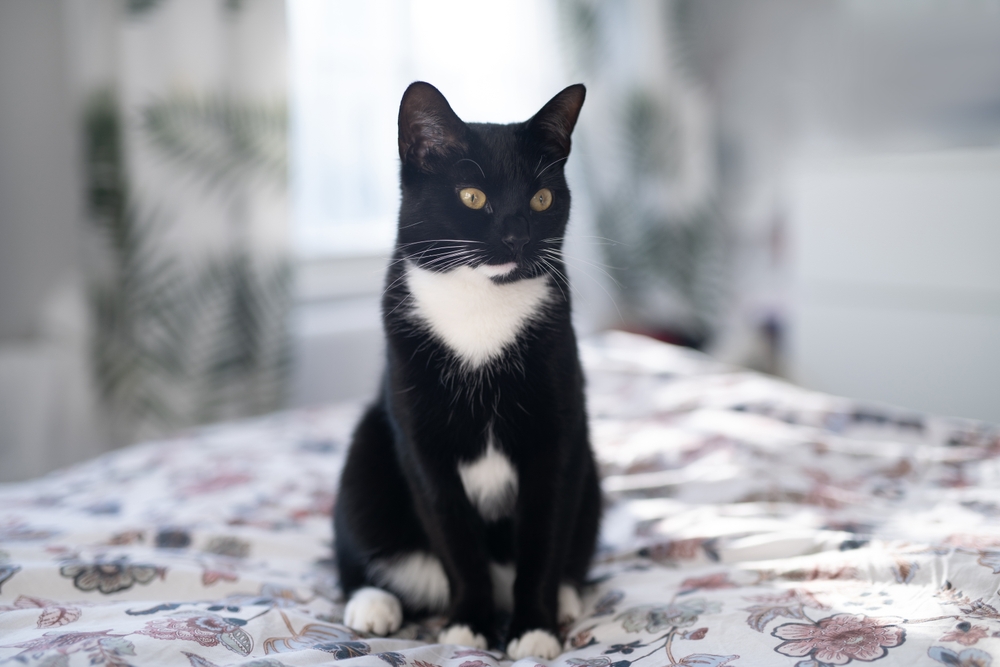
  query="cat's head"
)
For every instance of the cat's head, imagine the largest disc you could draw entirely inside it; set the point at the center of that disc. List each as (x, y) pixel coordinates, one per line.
(491, 197)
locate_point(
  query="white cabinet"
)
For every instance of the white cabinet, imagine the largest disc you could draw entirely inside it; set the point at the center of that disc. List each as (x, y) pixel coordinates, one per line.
(896, 280)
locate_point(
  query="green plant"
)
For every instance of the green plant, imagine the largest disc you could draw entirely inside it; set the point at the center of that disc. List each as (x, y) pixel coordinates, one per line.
(661, 248)
(176, 344)
(221, 141)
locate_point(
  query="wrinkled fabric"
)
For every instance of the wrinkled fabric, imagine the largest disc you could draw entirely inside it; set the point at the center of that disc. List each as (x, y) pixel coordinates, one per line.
(748, 522)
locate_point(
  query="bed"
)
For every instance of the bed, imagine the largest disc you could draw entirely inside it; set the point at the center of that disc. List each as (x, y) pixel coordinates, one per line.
(747, 522)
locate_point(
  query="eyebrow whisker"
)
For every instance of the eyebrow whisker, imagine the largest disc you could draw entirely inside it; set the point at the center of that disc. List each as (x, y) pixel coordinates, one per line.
(465, 159)
(549, 165)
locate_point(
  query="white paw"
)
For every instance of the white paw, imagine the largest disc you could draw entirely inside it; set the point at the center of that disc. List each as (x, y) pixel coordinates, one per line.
(570, 606)
(461, 635)
(536, 644)
(373, 610)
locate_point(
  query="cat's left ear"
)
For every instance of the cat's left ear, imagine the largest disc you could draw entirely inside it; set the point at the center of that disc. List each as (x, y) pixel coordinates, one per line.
(554, 123)
(428, 128)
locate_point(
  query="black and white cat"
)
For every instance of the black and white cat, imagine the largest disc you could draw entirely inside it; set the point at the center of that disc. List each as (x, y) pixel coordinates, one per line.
(470, 486)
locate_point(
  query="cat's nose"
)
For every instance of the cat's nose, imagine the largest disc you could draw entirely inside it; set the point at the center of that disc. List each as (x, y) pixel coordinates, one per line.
(516, 234)
(515, 242)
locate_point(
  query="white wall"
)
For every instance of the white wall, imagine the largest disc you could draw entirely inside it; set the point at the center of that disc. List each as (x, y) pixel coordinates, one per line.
(337, 330)
(46, 417)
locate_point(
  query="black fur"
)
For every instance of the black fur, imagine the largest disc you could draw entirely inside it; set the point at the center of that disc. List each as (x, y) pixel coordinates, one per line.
(400, 490)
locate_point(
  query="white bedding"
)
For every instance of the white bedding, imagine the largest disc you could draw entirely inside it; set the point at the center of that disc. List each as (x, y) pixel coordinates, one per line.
(749, 522)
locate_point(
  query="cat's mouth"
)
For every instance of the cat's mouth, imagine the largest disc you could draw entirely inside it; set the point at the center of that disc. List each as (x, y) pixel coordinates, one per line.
(497, 270)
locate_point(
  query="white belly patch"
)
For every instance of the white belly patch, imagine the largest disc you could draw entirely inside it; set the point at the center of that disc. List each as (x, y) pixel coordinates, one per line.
(474, 316)
(490, 482)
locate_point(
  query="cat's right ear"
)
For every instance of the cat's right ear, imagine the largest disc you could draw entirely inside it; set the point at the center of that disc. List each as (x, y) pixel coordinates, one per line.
(554, 124)
(428, 128)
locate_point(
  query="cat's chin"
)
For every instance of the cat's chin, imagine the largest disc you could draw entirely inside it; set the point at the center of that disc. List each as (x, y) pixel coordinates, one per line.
(497, 270)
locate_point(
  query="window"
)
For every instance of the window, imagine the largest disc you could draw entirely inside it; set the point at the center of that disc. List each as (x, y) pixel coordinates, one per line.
(351, 61)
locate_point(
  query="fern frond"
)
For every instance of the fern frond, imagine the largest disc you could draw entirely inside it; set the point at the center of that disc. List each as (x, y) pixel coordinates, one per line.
(222, 141)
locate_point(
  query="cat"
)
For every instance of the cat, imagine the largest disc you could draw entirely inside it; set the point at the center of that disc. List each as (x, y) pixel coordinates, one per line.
(470, 487)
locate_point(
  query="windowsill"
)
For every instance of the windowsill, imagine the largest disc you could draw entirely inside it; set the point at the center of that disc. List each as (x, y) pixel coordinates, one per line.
(328, 240)
(332, 278)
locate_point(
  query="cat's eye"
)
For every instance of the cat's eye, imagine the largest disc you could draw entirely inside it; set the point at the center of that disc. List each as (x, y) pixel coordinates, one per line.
(541, 200)
(474, 198)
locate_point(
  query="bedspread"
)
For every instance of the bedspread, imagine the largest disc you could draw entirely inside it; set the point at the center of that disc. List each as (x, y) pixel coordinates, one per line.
(748, 522)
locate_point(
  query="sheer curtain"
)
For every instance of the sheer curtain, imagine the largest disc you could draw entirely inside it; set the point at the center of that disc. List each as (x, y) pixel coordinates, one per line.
(176, 313)
(184, 152)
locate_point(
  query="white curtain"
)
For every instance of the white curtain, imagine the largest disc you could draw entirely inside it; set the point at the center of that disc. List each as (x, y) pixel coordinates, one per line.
(178, 311)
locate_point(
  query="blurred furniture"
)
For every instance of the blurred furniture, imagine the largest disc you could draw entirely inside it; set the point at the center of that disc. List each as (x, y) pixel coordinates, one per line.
(896, 279)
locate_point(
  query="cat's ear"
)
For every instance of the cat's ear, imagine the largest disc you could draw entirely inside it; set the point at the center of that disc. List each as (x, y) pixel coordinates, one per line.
(428, 128)
(554, 123)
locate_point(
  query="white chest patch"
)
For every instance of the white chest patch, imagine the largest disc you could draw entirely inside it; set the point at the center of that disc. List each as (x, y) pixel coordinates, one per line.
(490, 483)
(475, 317)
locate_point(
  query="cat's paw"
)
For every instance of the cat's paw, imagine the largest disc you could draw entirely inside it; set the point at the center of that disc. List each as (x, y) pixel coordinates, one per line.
(463, 636)
(373, 610)
(534, 643)
(570, 606)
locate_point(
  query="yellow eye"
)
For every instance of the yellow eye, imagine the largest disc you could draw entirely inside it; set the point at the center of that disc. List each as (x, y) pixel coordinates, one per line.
(474, 198)
(541, 200)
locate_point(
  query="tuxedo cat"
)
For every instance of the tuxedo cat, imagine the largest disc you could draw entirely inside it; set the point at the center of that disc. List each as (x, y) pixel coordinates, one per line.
(470, 486)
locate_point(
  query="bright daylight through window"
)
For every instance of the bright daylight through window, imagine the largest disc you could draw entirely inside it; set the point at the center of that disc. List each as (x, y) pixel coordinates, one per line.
(350, 63)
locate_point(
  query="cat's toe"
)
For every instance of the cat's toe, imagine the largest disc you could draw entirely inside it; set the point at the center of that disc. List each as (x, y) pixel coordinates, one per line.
(373, 610)
(570, 607)
(534, 643)
(463, 636)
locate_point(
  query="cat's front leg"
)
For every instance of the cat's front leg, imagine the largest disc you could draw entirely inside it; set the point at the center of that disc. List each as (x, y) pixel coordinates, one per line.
(547, 516)
(471, 621)
(458, 539)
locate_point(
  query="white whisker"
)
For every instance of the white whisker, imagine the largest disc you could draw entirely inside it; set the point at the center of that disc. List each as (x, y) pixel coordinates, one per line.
(404, 245)
(604, 289)
(549, 165)
(560, 239)
(600, 267)
(465, 159)
(551, 268)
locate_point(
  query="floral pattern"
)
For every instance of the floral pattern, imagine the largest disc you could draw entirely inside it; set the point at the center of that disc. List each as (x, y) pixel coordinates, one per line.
(52, 614)
(970, 657)
(109, 576)
(656, 618)
(653, 619)
(748, 522)
(101, 648)
(966, 633)
(791, 604)
(838, 639)
(205, 629)
(6, 572)
(313, 635)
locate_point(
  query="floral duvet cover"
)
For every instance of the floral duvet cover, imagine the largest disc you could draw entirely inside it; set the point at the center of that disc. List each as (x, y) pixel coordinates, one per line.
(748, 522)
